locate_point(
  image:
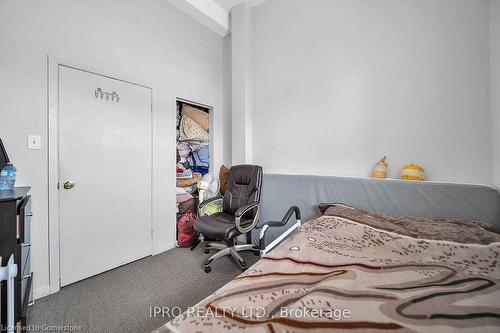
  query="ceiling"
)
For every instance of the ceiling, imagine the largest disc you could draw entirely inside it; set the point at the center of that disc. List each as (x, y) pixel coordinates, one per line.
(228, 4)
(212, 13)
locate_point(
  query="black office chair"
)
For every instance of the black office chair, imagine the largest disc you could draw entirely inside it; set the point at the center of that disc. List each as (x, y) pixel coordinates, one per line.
(240, 215)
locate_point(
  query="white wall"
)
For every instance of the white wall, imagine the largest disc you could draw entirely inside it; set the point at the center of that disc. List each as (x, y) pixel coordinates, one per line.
(337, 84)
(148, 40)
(495, 86)
(241, 84)
(227, 83)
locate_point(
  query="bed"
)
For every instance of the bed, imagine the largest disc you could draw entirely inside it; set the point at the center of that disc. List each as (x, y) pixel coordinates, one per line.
(355, 270)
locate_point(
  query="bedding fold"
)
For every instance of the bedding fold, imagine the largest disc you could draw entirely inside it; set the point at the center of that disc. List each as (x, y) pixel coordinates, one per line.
(454, 230)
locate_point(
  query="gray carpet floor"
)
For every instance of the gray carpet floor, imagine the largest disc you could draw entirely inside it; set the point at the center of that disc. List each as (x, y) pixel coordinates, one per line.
(119, 300)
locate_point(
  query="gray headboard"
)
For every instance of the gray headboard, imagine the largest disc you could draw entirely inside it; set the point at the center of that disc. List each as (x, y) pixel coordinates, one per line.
(395, 197)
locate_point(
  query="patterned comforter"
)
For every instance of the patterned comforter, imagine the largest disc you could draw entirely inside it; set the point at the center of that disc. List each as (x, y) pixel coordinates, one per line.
(336, 273)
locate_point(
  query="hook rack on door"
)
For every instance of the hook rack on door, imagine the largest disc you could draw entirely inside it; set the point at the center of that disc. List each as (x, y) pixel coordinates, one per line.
(101, 94)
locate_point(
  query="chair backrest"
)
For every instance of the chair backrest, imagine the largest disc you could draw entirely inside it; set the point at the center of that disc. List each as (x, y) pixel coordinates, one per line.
(243, 187)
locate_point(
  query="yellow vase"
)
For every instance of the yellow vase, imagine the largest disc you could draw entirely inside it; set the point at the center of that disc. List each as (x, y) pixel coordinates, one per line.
(412, 172)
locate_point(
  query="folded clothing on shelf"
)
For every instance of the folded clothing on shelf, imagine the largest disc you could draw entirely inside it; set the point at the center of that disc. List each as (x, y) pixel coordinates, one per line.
(187, 174)
(186, 203)
(188, 206)
(202, 170)
(190, 189)
(181, 190)
(184, 149)
(200, 157)
(183, 196)
(185, 182)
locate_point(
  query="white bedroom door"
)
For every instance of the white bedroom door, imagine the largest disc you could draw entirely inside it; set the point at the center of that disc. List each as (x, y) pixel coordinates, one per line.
(104, 173)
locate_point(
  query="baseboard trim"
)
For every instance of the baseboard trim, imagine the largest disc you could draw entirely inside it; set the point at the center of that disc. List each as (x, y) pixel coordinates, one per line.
(41, 292)
(166, 247)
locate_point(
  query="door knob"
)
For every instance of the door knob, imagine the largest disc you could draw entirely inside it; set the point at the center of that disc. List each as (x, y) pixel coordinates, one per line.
(69, 185)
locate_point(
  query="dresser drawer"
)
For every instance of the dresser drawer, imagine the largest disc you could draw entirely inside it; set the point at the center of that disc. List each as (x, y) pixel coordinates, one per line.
(25, 258)
(15, 238)
(24, 288)
(22, 257)
(23, 222)
(27, 228)
(26, 293)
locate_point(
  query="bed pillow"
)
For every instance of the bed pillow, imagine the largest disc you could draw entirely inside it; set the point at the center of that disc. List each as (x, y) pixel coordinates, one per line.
(223, 176)
(454, 230)
(190, 130)
(200, 117)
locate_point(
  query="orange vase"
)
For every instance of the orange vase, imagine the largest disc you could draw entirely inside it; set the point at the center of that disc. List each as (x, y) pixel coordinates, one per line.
(380, 169)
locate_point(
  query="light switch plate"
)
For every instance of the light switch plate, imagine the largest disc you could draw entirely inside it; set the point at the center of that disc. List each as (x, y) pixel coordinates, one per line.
(34, 142)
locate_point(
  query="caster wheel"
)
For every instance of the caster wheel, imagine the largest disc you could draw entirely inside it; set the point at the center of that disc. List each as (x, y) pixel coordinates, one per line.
(256, 253)
(207, 269)
(244, 268)
(206, 250)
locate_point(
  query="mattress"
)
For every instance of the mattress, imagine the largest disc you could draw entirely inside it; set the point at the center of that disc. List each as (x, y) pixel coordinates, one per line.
(390, 196)
(344, 271)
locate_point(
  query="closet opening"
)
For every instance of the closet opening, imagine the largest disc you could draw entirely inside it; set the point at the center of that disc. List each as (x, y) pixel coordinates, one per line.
(194, 164)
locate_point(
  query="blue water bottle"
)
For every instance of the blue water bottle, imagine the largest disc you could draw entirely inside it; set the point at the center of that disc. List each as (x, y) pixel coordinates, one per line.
(8, 177)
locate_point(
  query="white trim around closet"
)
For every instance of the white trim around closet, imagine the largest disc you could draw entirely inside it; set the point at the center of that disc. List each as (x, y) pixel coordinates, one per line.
(53, 64)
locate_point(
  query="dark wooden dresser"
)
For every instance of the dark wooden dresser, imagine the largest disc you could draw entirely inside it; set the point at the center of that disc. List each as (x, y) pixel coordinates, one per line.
(15, 238)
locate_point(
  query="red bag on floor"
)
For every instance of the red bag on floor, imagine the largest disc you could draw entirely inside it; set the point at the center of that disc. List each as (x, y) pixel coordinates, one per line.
(186, 235)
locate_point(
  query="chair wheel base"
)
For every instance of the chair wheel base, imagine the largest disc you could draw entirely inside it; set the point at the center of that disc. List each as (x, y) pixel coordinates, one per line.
(206, 250)
(207, 269)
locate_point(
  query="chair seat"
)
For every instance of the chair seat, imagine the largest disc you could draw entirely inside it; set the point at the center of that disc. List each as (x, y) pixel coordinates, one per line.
(219, 226)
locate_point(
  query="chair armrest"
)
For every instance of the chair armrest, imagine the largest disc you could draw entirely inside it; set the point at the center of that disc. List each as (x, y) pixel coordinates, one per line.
(283, 222)
(209, 200)
(242, 211)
